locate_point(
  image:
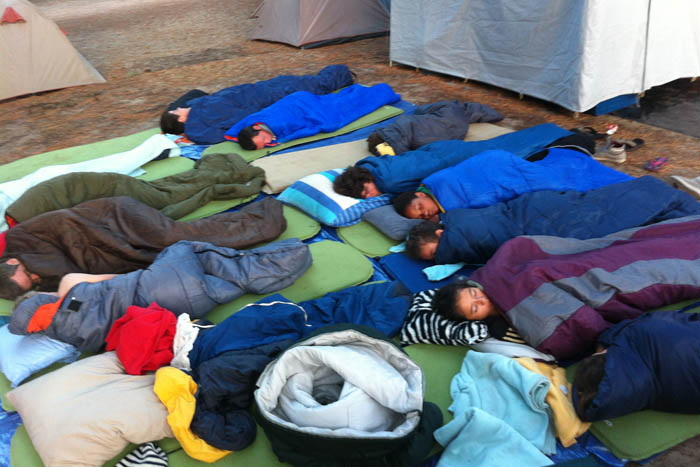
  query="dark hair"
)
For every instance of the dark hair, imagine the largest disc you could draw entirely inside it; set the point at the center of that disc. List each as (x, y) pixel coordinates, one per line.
(9, 289)
(373, 140)
(169, 124)
(419, 235)
(403, 201)
(352, 181)
(445, 300)
(589, 373)
(245, 138)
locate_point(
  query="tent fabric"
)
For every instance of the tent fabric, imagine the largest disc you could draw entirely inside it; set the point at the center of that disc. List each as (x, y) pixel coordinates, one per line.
(575, 54)
(36, 56)
(11, 16)
(305, 22)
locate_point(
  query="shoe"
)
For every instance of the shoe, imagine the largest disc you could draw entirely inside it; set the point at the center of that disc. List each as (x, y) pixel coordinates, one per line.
(613, 153)
(690, 185)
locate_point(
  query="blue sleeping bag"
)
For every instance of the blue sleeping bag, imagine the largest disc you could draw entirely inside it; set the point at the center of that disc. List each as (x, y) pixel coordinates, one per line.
(210, 116)
(305, 114)
(395, 175)
(382, 306)
(473, 235)
(496, 175)
(652, 362)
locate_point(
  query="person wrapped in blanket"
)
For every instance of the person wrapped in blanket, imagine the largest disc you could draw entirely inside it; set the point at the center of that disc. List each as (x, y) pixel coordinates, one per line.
(428, 123)
(373, 176)
(204, 118)
(650, 362)
(187, 277)
(118, 235)
(561, 294)
(494, 176)
(472, 236)
(305, 114)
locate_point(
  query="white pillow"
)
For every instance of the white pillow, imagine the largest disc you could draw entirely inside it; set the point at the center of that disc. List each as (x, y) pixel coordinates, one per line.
(22, 356)
(87, 412)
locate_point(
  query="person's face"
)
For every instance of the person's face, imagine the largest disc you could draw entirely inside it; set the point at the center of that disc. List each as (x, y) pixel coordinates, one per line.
(262, 138)
(423, 207)
(22, 277)
(428, 249)
(369, 190)
(473, 304)
(182, 113)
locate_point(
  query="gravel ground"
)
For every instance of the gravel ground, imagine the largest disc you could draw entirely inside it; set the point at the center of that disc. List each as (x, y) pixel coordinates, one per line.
(152, 51)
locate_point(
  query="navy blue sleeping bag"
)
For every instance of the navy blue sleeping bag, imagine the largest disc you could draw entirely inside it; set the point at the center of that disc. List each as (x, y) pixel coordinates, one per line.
(382, 306)
(305, 114)
(210, 116)
(394, 175)
(473, 235)
(652, 362)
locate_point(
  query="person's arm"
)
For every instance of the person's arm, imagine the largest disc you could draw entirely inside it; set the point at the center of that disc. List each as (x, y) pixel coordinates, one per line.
(71, 280)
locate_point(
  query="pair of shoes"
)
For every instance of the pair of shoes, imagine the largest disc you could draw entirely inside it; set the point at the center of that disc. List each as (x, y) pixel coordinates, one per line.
(629, 144)
(590, 131)
(614, 153)
(690, 185)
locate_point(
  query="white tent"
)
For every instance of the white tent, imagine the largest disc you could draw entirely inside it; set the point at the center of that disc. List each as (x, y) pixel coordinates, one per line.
(576, 53)
(35, 55)
(306, 23)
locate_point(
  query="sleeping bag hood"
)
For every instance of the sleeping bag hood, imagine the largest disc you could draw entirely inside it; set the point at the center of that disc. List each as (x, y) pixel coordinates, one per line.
(346, 395)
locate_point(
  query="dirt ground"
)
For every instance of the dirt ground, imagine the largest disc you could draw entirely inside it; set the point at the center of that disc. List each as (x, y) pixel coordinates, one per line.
(152, 51)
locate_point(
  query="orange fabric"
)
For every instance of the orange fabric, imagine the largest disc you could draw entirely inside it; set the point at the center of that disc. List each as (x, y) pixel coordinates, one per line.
(43, 316)
(11, 16)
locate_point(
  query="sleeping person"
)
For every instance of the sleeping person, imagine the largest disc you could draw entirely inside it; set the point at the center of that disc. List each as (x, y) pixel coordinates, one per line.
(205, 118)
(187, 277)
(473, 235)
(493, 176)
(650, 362)
(303, 114)
(428, 123)
(560, 294)
(117, 235)
(373, 175)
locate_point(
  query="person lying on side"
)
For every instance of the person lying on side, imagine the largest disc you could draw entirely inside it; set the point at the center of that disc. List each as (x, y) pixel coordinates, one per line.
(473, 235)
(560, 294)
(428, 123)
(117, 235)
(204, 118)
(494, 176)
(650, 362)
(373, 176)
(305, 114)
(187, 277)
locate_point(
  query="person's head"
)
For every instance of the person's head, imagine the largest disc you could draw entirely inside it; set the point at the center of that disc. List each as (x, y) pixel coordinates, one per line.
(356, 182)
(254, 137)
(463, 301)
(15, 279)
(373, 141)
(417, 205)
(589, 373)
(423, 240)
(173, 121)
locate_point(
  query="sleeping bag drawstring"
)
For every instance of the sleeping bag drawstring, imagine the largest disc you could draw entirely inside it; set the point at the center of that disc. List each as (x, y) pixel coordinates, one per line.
(277, 302)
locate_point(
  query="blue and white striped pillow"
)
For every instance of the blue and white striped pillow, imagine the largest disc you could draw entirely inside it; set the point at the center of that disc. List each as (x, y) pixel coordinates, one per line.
(314, 195)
